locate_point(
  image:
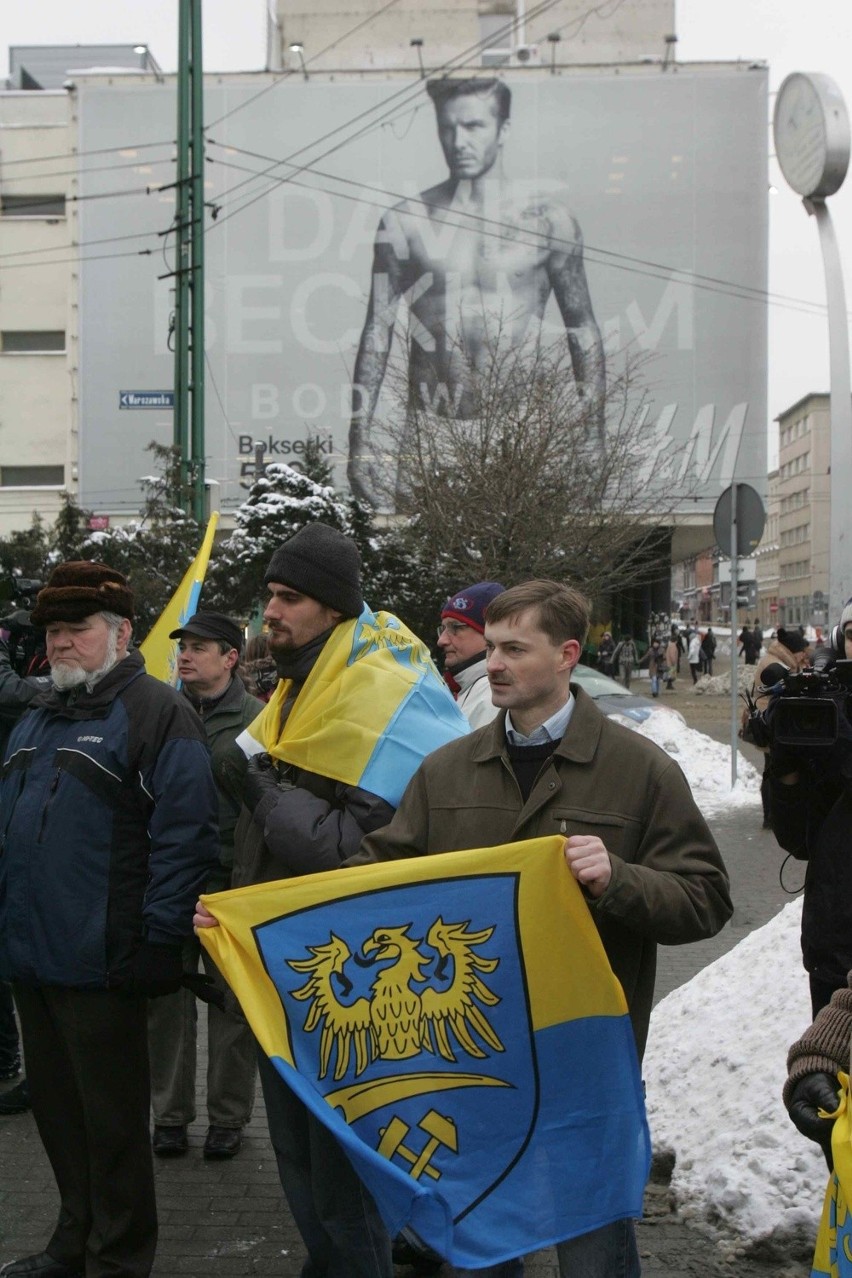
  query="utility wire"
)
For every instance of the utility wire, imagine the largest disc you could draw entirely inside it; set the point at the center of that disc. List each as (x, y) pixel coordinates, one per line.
(290, 71)
(408, 91)
(101, 150)
(225, 417)
(536, 11)
(538, 240)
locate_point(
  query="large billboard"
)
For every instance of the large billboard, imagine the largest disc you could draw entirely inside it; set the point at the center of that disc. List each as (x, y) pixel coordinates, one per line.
(364, 227)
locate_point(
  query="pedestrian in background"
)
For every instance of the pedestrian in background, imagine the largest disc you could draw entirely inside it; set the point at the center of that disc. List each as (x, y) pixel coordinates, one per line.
(625, 658)
(693, 655)
(708, 651)
(606, 648)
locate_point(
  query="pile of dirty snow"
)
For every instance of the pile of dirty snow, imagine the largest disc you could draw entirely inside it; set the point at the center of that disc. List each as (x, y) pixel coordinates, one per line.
(714, 1069)
(706, 763)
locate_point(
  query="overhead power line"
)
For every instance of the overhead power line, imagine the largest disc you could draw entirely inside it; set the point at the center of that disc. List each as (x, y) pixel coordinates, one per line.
(492, 229)
(408, 92)
(377, 13)
(101, 150)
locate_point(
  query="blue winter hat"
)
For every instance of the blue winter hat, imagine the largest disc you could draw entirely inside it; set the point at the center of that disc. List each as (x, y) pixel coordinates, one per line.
(469, 604)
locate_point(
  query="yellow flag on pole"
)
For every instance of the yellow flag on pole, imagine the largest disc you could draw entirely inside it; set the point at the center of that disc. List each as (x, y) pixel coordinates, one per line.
(158, 650)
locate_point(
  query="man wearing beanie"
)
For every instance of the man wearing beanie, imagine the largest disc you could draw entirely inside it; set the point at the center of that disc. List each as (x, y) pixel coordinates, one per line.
(461, 639)
(108, 819)
(810, 808)
(210, 646)
(295, 820)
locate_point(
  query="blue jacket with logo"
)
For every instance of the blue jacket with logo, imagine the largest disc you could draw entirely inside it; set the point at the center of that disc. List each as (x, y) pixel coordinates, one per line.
(108, 820)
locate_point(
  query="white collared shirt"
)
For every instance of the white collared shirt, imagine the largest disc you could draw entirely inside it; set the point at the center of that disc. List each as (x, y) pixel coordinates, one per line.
(553, 729)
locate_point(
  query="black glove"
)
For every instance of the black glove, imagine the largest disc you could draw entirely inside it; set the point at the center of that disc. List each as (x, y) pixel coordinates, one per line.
(263, 784)
(205, 988)
(812, 1093)
(155, 970)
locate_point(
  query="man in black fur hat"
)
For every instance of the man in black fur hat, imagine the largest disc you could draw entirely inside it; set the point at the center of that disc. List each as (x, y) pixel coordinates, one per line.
(108, 817)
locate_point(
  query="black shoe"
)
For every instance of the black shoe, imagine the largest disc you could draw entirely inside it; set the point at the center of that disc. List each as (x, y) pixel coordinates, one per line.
(16, 1100)
(223, 1142)
(41, 1266)
(170, 1142)
(423, 1261)
(10, 1067)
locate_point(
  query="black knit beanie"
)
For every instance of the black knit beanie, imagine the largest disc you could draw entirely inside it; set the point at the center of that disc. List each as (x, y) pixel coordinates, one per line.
(323, 563)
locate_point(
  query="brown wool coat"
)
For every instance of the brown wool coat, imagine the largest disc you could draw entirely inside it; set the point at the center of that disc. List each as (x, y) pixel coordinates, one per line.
(669, 884)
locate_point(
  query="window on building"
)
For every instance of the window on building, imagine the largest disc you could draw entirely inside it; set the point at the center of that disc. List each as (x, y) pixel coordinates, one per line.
(31, 341)
(32, 205)
(32, 476)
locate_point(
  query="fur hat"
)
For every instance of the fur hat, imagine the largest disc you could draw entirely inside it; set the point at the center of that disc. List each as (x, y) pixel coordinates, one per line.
(323, 563)
(469, 604)
(77, 589)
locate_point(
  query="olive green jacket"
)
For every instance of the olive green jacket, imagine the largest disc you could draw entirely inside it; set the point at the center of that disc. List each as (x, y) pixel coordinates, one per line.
(669, 884)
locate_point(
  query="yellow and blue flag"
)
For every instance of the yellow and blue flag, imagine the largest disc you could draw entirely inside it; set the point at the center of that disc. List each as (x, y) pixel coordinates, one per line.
(158, 650)
(455, 1023)
(833, 1253)
(372, 707)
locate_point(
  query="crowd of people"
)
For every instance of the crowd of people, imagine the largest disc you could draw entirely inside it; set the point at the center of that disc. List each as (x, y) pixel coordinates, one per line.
(123, 800)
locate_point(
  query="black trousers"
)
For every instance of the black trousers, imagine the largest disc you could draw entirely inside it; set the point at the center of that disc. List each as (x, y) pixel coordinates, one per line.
(87, 1065)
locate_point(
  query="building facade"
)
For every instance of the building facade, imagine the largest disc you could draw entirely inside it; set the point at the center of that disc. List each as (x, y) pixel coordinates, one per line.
(38, 296)
(355, 35)
(766, 556)
(603, 112)
(803, 488)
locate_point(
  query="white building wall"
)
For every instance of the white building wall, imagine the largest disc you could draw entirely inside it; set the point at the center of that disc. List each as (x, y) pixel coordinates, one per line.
(37, 294)
(452, 28)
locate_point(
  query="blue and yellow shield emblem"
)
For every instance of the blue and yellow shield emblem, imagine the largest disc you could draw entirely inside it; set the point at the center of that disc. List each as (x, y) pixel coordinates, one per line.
(455, 1023)
(409, 1012)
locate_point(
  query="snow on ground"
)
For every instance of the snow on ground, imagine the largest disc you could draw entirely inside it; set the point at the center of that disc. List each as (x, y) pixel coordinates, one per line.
(706, 763)
(714, 1069)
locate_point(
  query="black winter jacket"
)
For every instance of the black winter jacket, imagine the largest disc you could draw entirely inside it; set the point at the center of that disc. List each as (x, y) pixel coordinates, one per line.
(812, 820)
(108, 826)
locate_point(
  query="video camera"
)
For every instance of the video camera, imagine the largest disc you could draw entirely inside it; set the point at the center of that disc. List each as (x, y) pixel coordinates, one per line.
(20, 590)
(807, 707)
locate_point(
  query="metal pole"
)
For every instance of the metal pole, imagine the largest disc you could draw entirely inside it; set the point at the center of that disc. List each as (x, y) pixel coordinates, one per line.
(182, 251)
(196, 280)
(840, 541)
(734, 619)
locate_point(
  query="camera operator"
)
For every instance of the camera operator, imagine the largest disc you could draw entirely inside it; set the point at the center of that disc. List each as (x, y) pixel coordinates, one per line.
(789, 649)
(810, 809)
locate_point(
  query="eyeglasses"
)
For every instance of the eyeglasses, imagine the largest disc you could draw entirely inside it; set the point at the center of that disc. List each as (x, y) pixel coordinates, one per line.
(452, 628)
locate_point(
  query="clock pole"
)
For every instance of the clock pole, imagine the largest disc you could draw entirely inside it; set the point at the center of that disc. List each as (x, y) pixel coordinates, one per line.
(840, 539)
(812, 142)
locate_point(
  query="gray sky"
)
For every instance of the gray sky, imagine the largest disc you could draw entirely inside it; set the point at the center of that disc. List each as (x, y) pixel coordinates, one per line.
(776, 31)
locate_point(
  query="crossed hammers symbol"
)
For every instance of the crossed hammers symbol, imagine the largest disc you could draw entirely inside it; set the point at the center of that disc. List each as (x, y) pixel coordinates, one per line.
(440, 1130)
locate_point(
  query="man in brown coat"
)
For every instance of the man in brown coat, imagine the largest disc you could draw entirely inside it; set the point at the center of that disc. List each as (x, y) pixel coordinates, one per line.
(553, 764)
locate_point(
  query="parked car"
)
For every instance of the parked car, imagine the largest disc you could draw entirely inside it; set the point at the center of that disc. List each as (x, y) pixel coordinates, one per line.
(614, 699)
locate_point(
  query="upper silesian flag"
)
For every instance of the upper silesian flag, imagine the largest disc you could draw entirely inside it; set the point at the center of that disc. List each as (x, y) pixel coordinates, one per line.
(454, 1021)
(372, 707)
(158, 650)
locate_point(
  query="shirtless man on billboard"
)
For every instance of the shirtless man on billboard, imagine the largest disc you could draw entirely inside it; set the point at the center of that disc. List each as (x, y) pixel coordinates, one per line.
(475, 259)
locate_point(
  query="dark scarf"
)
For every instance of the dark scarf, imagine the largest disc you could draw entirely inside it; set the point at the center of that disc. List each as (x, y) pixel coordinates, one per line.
(297, 663)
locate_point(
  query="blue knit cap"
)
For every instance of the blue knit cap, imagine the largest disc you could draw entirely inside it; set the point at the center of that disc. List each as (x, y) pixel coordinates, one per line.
(469, 604)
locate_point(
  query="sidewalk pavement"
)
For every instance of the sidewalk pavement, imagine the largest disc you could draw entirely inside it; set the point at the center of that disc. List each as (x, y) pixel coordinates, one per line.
(229, 1218)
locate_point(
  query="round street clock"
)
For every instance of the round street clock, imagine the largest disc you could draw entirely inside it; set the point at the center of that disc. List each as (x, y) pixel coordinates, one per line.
(811, 128)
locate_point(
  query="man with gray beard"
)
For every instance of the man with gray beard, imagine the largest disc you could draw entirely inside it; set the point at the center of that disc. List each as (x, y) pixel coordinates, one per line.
(108, 823)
